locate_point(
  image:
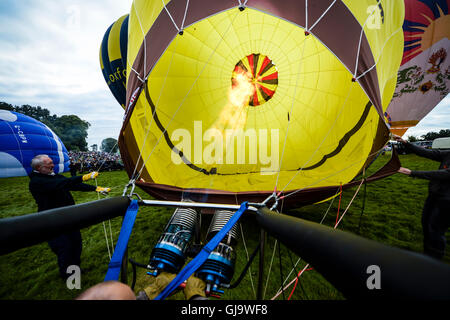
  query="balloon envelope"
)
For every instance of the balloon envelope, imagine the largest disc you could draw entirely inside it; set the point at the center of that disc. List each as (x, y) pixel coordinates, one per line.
(243, 100)
(22, 138)
(424, 75)
(113, 57)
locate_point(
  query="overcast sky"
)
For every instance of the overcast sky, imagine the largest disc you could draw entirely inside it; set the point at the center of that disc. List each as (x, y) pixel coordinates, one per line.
(438, 119)
(49, 57)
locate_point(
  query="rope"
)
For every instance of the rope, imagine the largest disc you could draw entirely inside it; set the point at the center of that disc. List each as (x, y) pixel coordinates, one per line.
(379, 57)
(281, 267)
(339, 205)
(299, 259)
(323, 14)
(360, 38)
(270, 267)
(249, 260)
(297, 279)
(242, 4)
(145, 47)
(304, 292)
(335, 226)
(351, 201)
(185, 13)
(106, 238)
(170, 16)
(104, 227)
(109, 221)
(363, 206)
(281, 289)
(306, 15)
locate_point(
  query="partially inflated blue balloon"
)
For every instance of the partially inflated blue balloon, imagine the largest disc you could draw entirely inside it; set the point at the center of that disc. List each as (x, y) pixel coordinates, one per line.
(21, 139)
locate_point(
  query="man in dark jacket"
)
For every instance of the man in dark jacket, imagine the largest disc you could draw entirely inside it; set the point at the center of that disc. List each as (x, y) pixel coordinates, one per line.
(51, 191)
(436, 211)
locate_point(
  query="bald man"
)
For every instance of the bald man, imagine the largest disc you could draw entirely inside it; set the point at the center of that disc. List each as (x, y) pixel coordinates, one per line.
(108, 290)
(51, 190)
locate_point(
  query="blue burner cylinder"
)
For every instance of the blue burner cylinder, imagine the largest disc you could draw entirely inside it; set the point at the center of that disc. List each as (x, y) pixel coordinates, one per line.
(217, 271)
(169, 252)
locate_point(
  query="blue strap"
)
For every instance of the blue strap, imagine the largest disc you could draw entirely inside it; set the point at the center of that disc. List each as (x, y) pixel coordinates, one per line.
(125, 232)
(196, 263)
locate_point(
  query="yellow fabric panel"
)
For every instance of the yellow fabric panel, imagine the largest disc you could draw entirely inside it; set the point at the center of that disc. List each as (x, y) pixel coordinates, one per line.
(100, 57)
(190, 86)
(385, 38)
(143, 14)
(114, 40)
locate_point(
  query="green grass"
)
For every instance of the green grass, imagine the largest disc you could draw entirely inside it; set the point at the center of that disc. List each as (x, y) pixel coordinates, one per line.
(391, 215)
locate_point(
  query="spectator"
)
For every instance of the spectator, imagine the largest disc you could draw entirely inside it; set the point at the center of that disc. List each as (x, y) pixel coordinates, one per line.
(435, 215)
(85, 161)
(51, 191)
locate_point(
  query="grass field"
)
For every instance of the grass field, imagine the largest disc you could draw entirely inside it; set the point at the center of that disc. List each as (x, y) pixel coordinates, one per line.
(392, 213)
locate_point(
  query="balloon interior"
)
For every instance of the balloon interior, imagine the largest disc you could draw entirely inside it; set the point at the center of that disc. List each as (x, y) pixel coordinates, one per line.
(227, 102)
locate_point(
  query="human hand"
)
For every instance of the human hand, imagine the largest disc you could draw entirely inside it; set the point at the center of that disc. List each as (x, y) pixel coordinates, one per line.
(194, 287)
(90, 175)
(103, 191)
(404, 171)
(160, 283)
(398, 138)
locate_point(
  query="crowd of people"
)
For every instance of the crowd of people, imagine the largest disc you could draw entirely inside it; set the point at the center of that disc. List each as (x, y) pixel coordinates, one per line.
(86, 161)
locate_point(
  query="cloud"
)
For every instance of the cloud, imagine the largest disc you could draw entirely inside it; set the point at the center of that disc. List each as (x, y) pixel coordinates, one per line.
(50, 58)
(438, 119)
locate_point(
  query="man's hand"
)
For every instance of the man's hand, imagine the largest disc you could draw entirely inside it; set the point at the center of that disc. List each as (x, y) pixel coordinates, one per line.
(194, 287)
(160, 283)
(398, 138)
(90, 175)
(404, 171)
(103, 191)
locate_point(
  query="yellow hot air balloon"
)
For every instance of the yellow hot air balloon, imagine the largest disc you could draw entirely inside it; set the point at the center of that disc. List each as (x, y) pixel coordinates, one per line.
(113, 56)
(233, 100)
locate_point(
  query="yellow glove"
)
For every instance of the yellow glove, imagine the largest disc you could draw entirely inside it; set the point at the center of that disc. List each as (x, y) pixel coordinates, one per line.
(161, 281)
(194, 287)
(103, 191)
(90, 175)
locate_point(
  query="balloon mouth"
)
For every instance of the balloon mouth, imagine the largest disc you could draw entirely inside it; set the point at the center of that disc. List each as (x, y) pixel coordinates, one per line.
(254, 81)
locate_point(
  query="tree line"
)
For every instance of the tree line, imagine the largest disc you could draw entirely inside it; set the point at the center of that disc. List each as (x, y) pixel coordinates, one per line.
(430, 136)
(69, 128)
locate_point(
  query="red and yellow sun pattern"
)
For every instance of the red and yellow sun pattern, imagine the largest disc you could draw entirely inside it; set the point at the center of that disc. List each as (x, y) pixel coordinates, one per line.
(258, 76)
(426, 22)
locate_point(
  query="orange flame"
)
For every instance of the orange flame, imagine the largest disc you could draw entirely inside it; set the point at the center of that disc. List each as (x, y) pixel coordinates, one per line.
(241, 90)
